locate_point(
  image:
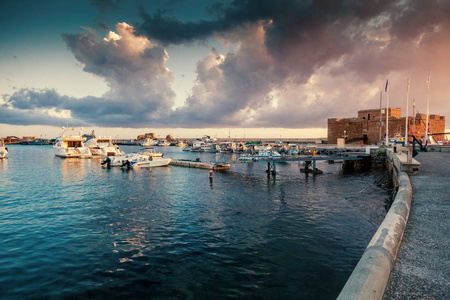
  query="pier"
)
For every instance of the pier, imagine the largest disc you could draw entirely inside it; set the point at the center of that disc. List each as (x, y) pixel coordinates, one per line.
(200, 165)
(311, 155)
(422, 267)
(407, 257)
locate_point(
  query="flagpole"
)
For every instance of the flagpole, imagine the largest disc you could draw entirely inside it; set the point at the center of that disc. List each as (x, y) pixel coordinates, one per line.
(386, 89)
(407, 112)
(428, 108)
(381, 120)
(414, 116)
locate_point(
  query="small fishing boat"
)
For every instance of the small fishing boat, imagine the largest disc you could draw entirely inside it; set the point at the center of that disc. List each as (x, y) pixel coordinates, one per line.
(3, 149)
(70, 144)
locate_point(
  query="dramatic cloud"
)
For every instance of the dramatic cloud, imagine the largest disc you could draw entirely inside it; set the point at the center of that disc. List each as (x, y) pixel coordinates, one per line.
(134, 70)
(289, 64)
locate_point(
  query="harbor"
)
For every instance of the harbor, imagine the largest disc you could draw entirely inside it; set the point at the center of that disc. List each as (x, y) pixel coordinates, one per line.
(149, 227)
(281, 164)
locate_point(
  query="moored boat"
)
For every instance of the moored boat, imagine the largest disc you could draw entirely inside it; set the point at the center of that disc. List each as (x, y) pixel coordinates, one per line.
(145, 161)
(147, 142)
(3, 149)
(70, 144)
(103, 146)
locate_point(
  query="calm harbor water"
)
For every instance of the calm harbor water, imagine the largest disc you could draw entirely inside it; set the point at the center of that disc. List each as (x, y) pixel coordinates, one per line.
(74, 230)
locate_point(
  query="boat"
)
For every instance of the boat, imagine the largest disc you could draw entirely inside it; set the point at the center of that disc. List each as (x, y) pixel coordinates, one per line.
(262, 154)
(71, 144)
(34, 141)
(227, 147)
(149, 151)
(103, 146)
(3, 149)
(118, 161)
(180, 144)
(145, 161)
(210, 148)
(163, 143)
(147, 142)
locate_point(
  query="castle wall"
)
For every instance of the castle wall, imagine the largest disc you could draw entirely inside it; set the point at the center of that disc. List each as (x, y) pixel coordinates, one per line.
(366, 128)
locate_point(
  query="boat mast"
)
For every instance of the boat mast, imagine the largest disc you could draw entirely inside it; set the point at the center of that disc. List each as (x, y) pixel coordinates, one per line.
(428, 107)
(407, 112)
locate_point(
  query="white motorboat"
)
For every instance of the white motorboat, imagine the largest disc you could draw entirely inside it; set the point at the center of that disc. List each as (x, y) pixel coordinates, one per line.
(103, 146)
(148, 142)
(71, 144)
(3, 149)
(163, 143)
(262, 154)
(145, 161)
(118, 161)
(151, 152)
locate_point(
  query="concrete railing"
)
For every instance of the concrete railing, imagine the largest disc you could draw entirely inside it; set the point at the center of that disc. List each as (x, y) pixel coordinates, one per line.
(371, 274)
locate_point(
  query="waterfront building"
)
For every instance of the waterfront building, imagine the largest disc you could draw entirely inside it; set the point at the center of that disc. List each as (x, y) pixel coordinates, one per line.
(366, 127)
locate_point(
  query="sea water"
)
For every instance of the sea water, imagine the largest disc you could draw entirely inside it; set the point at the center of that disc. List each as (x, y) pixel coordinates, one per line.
(70, 228)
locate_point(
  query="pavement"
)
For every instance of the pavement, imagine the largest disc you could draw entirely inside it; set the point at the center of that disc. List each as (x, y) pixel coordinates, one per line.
(422, 269)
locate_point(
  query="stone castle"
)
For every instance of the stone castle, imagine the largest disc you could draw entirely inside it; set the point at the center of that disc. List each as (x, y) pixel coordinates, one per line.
(366, 127)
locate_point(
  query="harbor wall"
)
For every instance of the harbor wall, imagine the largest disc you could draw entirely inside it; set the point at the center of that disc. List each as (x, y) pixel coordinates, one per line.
(371, 275)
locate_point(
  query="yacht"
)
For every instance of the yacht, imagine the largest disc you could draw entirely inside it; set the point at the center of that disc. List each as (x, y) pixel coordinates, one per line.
(103, 146)
(3, 149)
(71, 144)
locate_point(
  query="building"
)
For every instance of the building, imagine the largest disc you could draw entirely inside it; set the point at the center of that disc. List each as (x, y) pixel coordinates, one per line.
(366, 127)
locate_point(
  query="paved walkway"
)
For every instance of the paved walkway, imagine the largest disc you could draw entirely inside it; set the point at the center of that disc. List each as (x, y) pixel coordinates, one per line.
(422, 269)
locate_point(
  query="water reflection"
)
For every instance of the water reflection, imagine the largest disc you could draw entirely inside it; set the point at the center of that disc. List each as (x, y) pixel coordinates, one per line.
(72, 170)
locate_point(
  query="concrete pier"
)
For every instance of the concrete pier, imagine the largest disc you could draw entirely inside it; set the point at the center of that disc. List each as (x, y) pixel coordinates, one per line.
(200, 165)
(422, 270)
(407, 257)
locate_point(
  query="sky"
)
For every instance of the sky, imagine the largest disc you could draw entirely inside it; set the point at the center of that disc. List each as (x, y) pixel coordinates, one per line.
(243, 68)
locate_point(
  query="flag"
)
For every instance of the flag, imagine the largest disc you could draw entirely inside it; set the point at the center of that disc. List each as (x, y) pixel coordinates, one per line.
(385, 89)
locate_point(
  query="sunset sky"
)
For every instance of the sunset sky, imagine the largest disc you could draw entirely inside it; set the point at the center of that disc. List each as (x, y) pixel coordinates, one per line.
(254, 68)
